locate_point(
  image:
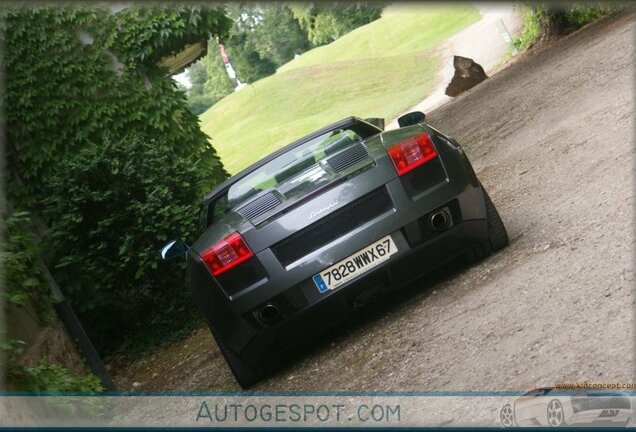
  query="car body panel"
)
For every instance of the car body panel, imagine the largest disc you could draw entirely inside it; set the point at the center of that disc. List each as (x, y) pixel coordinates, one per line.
(447, 183)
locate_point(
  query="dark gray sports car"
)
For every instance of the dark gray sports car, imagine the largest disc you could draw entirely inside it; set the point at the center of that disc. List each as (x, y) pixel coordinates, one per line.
(292, 243)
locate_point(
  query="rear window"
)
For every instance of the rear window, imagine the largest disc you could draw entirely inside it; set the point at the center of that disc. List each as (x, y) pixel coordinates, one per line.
(289, 166)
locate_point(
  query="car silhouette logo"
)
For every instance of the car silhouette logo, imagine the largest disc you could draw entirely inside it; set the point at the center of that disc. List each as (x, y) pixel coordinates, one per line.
(568, 407)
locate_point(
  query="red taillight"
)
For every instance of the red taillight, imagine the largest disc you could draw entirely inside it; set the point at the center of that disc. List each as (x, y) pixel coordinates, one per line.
(225, 254)
(411, 153)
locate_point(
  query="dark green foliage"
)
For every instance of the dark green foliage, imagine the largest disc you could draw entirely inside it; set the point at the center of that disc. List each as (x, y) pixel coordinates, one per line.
(81, 97)
(278, 36)
(219, 83)
(210, 82)
(22, 277)
(115, 204)
(151, 33)
(23, 282)
(105, 148)
(247, 62)
(580, 14)
(532, 30)
(52, 377)
(546, 21)
(43, 377)
(266, 36)
(198, 75)
(200, 104)
(326, 22)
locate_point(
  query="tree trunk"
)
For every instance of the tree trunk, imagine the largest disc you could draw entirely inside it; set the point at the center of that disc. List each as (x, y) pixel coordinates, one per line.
(553, 21)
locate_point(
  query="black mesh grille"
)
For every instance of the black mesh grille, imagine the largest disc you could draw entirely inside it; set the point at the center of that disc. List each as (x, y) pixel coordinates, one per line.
(333, 226)
(259, 206)
(242, 276)
(600, 402)
(423, 177)
(348, 158)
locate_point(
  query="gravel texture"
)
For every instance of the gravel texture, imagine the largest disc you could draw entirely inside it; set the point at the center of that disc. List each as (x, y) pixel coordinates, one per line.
(551, 138)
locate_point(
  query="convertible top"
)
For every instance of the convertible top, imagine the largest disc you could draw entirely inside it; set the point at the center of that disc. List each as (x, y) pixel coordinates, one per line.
(354, 123)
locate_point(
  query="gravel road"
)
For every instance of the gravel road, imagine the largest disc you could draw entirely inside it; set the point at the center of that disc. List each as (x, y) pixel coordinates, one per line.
(551, 138)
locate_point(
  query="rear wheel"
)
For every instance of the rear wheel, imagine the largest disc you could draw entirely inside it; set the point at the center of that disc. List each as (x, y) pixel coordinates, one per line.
(245, 374)
(497, 234)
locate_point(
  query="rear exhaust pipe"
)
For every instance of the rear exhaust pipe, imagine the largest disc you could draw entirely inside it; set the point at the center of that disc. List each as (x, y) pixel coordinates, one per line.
(269, 314)
(441, 220)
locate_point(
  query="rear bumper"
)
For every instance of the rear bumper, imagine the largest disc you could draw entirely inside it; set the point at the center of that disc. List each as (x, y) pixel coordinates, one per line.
(304, 308)
(408, 265)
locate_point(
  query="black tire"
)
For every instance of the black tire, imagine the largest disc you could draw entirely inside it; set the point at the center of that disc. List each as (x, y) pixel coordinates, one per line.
(497, 234)
(245, 374)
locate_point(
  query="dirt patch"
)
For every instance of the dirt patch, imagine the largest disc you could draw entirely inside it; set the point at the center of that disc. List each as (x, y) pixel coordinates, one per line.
(53, 345)
(551, 138)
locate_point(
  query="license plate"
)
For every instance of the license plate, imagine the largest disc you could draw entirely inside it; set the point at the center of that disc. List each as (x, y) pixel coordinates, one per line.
(355, 265)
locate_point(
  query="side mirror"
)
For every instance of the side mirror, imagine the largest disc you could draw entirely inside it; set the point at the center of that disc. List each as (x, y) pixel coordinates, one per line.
(174, 249)
(411, 118)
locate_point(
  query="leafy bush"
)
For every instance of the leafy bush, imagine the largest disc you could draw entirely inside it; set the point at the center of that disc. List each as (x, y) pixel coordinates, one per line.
(111, 208)
(43, 377)
(326, 22)
(52, 377)
(56, 104)
(581, 14)
(541, 21)
(532, 30)
(200, 104)
(79, 80)
(22, 277)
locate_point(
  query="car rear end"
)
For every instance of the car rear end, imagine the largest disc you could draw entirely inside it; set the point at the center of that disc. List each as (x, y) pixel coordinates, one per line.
(281, 289)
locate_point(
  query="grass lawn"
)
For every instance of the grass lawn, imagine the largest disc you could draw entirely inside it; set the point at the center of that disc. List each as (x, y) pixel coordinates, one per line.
(377, 70)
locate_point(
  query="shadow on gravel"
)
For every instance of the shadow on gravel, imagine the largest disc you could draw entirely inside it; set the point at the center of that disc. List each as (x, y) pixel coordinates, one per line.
(388, 303)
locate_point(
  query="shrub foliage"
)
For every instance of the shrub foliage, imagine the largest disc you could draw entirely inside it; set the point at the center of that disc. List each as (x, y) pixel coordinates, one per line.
(547, 21)
(115, 204)
(103, 147)
(22, 278)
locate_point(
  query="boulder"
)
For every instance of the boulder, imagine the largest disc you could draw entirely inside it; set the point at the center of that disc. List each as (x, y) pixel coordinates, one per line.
(467, 75)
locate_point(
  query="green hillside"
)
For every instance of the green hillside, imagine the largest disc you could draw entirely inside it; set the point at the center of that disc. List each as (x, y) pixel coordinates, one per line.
(377, 70)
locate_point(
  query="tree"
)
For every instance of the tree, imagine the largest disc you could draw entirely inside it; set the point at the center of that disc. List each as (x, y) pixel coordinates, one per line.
(249, 65)
(219, 83)
(116, 203)
(556, 19)
(79, 81)
(198, 76)
(247, 62)
(278, 36)
(266, 36)
(326, 22)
